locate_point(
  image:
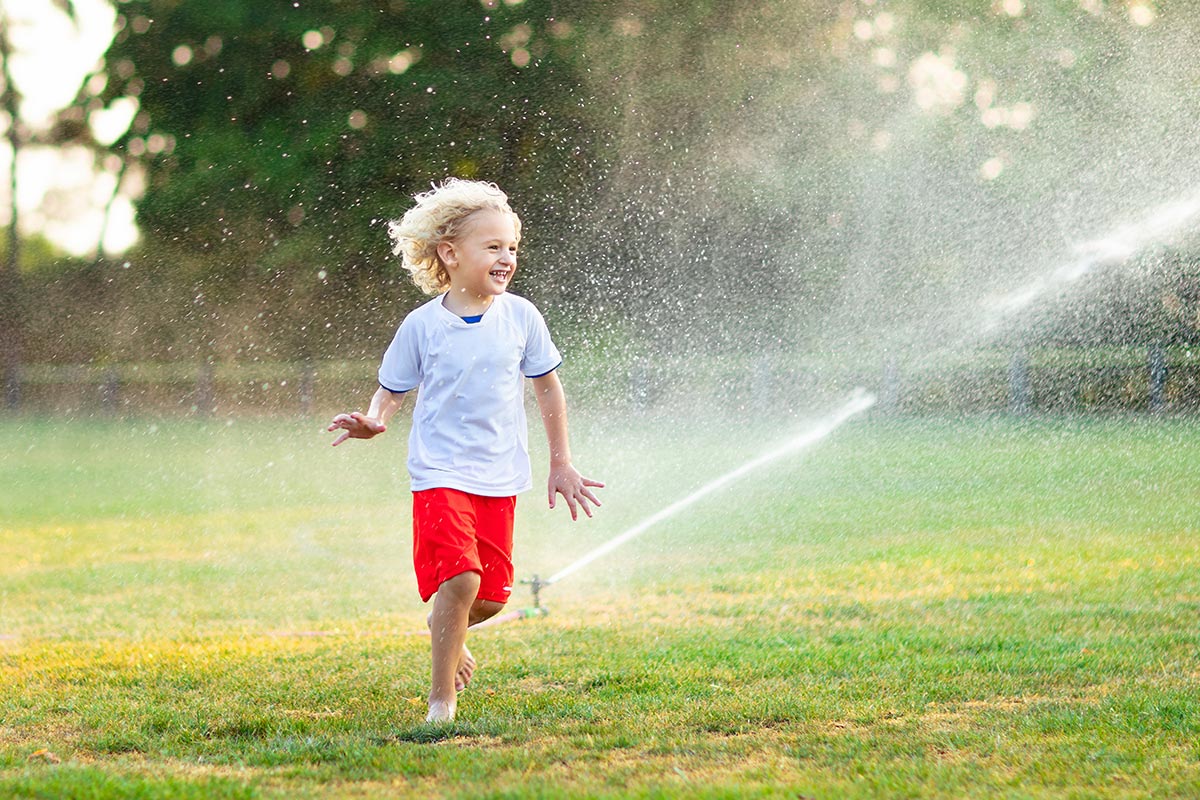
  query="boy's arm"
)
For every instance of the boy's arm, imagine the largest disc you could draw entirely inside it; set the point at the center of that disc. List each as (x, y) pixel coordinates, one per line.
(356, 425)
(564, 478)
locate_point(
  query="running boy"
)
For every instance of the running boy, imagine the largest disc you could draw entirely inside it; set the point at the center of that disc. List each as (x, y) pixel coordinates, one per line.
(468, 350)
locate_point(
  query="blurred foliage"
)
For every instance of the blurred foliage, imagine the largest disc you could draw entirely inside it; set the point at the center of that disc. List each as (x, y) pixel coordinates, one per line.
(262, 123)
(813, 175)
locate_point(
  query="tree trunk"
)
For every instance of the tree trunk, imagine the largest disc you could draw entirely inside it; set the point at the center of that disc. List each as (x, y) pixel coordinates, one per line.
(10, 276)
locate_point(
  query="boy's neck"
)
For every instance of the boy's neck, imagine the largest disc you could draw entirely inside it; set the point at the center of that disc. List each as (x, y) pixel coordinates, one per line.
(466, 305)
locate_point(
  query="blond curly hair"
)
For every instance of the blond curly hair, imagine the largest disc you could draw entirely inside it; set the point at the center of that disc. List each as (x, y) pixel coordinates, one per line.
(440, 215)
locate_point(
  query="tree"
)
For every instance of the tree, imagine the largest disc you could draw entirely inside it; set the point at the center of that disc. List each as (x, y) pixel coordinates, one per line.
(862, 165)
(259, 123)
(16, 136)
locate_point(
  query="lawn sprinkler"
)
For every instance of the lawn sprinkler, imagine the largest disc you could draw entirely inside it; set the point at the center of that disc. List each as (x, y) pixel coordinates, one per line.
(536, 585)
(858, 402)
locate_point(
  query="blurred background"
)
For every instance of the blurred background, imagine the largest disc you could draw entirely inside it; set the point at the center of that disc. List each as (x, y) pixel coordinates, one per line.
(764, 201)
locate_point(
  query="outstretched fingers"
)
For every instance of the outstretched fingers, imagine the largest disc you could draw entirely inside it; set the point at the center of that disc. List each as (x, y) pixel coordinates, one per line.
(341, 422)
(568, 496)
(589, 494)
(354, 425)
(585, 493)
(580, 496)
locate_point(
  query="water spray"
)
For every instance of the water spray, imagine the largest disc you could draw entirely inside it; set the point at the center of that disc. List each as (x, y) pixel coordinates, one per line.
(1159, 224)
(859, 401)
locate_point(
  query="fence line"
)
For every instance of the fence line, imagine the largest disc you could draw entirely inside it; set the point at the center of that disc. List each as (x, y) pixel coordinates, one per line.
(1154, 381)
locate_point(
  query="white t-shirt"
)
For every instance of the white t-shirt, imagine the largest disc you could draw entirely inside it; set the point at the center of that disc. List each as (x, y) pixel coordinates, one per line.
(469, 430)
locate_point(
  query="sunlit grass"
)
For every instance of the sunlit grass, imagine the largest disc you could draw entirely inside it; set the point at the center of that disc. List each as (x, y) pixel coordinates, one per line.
(927, 608)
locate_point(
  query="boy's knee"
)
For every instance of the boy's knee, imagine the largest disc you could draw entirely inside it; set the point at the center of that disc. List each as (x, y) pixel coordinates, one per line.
(485, 609)
(463, 585)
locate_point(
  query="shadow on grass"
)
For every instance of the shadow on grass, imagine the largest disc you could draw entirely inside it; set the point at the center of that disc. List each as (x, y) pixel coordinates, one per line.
(434, 732)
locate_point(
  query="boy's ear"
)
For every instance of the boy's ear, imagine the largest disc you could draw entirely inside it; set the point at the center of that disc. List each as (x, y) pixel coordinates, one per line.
(445, 251)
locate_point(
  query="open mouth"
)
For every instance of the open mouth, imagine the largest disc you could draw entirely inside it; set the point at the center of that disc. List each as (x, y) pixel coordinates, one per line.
(500, 274)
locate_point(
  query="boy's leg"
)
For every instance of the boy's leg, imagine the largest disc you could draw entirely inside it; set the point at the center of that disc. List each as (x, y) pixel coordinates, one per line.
(493, 517)
(450, 528)
(480, 610)
(448, 635)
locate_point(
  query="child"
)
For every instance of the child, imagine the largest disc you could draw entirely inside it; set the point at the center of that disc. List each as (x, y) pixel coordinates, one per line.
(468, 350)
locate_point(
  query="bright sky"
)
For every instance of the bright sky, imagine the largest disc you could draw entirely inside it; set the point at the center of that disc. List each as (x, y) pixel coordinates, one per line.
(62, 194)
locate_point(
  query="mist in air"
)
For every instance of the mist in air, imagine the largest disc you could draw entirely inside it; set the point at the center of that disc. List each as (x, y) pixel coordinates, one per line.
(919, 189)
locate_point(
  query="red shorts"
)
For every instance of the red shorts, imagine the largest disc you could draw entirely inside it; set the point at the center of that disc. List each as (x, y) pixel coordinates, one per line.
(456, 532)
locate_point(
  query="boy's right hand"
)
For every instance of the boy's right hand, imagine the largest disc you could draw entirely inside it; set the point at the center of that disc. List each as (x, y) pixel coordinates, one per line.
(355, 425)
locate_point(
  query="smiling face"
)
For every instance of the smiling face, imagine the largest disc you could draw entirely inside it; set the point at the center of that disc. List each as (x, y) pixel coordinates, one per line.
(481, 262)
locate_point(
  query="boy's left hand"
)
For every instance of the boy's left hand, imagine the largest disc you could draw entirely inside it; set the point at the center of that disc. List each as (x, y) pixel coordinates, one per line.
(566, 480)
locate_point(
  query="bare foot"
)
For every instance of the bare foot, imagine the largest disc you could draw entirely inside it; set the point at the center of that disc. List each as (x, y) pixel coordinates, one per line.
(466, 668)
(440, 711)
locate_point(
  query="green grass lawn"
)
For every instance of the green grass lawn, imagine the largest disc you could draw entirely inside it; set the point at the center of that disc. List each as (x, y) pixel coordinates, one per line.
(915, 608)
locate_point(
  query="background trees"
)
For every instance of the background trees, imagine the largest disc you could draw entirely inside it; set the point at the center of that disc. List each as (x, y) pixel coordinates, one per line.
(811, 175)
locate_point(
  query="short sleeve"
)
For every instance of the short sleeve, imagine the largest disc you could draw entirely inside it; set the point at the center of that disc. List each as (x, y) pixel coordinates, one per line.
(541, 356)
(400, 370)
